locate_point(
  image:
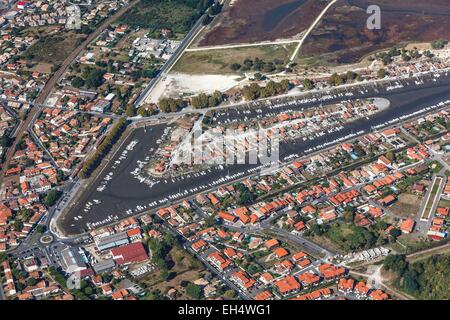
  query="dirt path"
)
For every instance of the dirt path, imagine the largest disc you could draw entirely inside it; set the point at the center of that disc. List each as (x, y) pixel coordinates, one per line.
(417, 255)
(379, 279)
(276, 42)
(377, 276)
(243, 45)
(311, 28)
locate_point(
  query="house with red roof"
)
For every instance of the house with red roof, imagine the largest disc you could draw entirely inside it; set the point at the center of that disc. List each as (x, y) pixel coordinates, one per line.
(131, 253)
(287, 285)
(407, 225)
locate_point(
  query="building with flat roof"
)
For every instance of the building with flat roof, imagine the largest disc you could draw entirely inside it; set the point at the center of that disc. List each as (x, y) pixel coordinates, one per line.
(111, 241)
(104, 266)
(72, 260)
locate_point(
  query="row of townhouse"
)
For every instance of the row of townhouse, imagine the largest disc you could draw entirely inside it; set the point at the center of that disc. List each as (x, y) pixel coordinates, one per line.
(360, 290)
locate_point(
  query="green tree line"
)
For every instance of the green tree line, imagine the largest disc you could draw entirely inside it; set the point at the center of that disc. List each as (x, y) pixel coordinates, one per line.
(92, 163)
(426, 279)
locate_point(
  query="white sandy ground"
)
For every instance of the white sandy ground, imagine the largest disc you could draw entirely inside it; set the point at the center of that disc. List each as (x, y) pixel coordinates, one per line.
(182, 84)
(178, 84)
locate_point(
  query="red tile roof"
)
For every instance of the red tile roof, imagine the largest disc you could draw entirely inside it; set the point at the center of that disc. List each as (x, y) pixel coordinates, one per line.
(131, 253)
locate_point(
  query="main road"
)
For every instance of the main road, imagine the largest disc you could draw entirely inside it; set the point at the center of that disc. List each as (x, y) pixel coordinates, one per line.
(187, 40)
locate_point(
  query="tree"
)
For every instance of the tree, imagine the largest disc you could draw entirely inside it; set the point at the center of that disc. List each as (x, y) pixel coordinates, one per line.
(51, 197)
(395, 233)
(251, 92)
(350, 75)
(316, 230)
(230, 294)
(207, 20)
(348, 216)
(93, 77)
(194, 291)
(235, 66)
(405, 56)
(308, 84)
(245, 195)
(146, 111)
(92, 163)
(77, 82)
(335, 80)
(31, 282)
(215, 9)
(210, 221)
(390, 156)
(381, 73)
(131, 111)
(439, 44)
(200, 101)
(258, 76)
(41, 228)
(396, 263)
(164, 275)
(3, 257)
(88, 291)
(171, 105)
(410, 283)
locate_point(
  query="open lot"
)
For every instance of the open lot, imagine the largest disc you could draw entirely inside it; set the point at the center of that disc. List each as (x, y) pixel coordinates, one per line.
(444, 249)
(54, 48)
(406, 206)
(180, 271)
(176, 15)
(219, 61)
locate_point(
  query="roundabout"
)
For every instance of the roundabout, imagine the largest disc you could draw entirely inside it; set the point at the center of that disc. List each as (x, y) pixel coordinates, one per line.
(46, 239)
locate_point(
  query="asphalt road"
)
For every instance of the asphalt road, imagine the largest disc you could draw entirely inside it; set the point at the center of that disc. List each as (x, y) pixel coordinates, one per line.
(123, 192)
(171, 61)
(310, 246)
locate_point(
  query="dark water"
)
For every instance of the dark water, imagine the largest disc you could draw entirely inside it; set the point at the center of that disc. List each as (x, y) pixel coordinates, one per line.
(125, 192)
(274, 17)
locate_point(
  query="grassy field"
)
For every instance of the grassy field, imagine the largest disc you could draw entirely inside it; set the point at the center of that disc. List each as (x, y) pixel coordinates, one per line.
(444, 203)
(444, 249)
(410, 243)
(326, 242)
(176, 15)
(182, 271)
(219, 61)
(406, 206)
(311, 61)
(54, 48)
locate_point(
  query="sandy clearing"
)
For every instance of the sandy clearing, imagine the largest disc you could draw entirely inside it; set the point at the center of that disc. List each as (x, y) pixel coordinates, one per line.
(181, 84)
